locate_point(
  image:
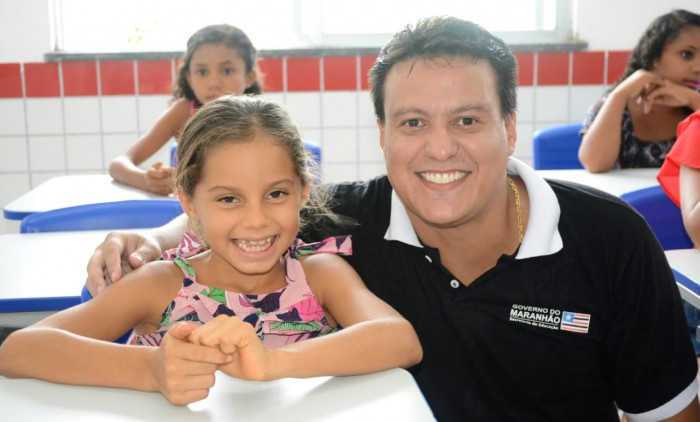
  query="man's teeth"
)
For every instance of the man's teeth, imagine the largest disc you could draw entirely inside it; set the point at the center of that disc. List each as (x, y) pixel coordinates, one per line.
(254, 245)
(443, 178)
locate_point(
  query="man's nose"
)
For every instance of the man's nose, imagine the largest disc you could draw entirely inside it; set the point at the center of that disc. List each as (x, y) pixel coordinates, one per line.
(440, 143)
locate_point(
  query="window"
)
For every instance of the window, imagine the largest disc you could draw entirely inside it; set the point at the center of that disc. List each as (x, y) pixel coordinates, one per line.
(165, 25)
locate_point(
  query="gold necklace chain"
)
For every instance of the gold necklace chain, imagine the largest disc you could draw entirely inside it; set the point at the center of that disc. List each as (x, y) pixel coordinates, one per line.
(517, 207)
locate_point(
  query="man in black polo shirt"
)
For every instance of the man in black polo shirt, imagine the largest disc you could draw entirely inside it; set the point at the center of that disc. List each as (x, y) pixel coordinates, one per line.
(533, 299)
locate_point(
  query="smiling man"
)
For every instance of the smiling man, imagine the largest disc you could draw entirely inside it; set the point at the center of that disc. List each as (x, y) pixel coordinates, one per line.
(533, 299)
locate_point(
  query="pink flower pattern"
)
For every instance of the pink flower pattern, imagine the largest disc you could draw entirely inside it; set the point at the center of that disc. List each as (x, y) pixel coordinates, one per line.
(281, 317)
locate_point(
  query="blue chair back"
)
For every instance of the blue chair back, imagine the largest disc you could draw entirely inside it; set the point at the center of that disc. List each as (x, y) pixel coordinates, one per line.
(662, 215)
(314, 149)
(134, 214)
(173, 154)
(557, 147)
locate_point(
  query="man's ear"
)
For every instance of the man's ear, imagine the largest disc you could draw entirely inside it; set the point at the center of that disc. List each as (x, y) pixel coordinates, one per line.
(187, 205)
(380, 126)
(511, 132)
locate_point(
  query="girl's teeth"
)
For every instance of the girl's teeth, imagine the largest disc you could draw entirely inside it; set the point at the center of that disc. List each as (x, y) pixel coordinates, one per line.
(254, 245)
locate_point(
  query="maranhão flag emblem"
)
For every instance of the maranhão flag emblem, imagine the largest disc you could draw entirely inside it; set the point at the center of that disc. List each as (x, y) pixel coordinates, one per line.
(572, 321)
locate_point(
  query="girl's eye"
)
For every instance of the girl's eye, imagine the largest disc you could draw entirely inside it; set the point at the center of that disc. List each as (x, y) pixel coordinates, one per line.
(228, 199)
(687, 55)
(201, 72)
(277, 194)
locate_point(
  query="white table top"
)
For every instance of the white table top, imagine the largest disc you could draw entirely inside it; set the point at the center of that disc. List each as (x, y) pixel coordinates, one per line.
(385, 396)
(68, 191)
(686, 267)
(44, 266)
(614, 182)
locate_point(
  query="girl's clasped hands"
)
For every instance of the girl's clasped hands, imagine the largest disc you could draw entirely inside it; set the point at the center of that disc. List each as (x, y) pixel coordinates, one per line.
(649, 89)
(190, 355)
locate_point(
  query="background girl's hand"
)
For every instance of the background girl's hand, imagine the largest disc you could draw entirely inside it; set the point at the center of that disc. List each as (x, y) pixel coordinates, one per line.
(251, 360)
(159, 179)
(671, 94)
(638, 85)
(184, 372)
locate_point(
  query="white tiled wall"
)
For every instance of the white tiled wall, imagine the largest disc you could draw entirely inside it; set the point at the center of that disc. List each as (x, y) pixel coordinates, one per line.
(42, 138)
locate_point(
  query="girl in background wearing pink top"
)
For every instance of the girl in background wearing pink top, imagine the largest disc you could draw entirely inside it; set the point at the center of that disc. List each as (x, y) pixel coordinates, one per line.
(220, 59)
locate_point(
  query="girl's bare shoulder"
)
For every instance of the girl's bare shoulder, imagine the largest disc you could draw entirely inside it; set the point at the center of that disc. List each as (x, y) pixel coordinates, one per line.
(157, 275)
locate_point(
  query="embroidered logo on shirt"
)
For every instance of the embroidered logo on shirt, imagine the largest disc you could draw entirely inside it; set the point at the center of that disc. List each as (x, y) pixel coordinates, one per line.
(573, 321)
(552, 319)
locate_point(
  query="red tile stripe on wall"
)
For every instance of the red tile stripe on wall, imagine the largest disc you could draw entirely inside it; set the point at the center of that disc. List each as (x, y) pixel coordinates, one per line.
(272, 70)
(42, 80)
(366, 63)
(588, 68)
(155, 77)
(80, 78)
(10, 80)
(303, 74)
(553, 68)
(117, 77)
(617, 61)
(526, 68)
(340, 73)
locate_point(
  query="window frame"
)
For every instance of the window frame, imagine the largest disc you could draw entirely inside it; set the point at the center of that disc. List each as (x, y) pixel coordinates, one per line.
(307, 28)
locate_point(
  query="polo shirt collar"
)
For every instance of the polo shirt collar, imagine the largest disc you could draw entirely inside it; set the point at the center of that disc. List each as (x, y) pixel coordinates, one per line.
(541, 237)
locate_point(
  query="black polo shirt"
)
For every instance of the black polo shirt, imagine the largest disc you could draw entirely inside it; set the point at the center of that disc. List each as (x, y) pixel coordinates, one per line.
(584, 317)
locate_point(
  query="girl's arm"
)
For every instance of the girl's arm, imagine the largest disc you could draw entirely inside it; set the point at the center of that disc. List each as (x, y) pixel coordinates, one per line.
(75, 346)
(690, 201)
(124, 168)
(375, 337)
(600, 145)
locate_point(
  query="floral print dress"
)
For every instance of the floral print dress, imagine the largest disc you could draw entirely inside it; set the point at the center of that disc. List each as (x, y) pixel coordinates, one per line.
(281, 317)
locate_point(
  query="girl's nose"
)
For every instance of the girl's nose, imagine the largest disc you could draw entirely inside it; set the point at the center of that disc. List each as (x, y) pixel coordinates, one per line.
(255, 215)
(696, 65)
(215, 82)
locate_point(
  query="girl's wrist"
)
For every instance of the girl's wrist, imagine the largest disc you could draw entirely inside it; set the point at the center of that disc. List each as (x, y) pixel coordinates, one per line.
(151, 370)
(276, 366)
(694, 101)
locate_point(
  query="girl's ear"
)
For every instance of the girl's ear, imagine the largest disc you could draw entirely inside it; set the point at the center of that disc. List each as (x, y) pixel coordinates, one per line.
(251, 78)
(305, 194)
(187, 205)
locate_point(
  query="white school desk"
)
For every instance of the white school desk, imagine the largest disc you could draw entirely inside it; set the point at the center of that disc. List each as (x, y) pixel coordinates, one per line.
(614, 182)
(685, 264)
(385, 396)
(68, 191)
(42, 272)
(38, 269)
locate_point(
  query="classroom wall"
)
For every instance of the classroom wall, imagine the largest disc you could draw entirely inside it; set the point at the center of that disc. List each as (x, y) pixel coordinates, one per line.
(74, 117)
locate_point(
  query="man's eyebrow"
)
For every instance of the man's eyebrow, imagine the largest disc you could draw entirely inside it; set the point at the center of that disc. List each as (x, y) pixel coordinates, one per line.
(408, 110)
(478, 108)
(471, 108)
